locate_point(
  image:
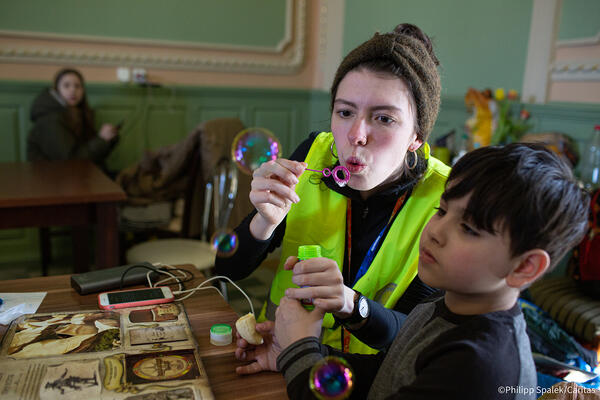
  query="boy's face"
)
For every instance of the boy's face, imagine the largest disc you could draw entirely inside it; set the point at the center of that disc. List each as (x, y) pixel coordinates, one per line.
(457, 257)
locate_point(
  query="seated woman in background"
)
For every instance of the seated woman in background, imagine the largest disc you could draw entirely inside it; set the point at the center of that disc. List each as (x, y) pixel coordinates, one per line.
(64, 124)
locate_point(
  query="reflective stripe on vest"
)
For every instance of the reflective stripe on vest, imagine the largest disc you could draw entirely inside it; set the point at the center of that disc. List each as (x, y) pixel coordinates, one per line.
(320, 218)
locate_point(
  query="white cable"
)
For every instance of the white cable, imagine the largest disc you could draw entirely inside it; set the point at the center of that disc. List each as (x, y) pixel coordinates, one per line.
(148, 278)
(158, 265)
(202, 288)
(165, 273)
(177, 280)
(199, 287)
(212, 279)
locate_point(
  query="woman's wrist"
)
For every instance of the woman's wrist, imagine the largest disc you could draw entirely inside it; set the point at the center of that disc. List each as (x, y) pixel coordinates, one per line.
(348, 307)
(260, 229)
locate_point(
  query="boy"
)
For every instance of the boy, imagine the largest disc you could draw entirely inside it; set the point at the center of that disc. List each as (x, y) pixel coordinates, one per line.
(508, 215)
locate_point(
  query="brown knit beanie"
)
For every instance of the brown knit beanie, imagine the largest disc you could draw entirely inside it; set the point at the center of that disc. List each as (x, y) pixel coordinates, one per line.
(414, 62)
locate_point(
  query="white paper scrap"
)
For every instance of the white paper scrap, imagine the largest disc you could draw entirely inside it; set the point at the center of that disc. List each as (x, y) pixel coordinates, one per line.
(16, 304)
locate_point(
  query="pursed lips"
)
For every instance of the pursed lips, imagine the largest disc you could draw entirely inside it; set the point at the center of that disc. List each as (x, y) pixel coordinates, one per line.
(355, 164)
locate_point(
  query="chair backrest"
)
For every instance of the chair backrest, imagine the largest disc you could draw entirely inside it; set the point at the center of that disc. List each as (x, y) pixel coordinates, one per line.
(225, 184)
(230, 194)
(191, 193)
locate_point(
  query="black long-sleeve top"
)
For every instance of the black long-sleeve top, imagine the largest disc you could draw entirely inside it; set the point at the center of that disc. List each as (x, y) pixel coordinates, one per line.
(436, 355)
(369, 217)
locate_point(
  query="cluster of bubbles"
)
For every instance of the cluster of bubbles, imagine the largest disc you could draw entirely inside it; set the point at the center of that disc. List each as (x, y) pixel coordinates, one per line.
(249, 149)
(331, 379)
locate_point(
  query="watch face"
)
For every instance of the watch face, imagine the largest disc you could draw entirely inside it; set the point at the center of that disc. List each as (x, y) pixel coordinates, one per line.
(363, 307)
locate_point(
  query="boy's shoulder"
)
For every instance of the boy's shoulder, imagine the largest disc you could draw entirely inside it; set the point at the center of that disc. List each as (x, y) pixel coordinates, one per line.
(493, 346)
(467, 357)
(490, 332)
(495, 335)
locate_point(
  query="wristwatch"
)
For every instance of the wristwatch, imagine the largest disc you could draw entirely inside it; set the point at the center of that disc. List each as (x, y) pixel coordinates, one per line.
(361, 310)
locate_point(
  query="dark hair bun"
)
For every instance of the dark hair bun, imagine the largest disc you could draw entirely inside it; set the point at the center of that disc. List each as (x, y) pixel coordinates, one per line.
(415, 32)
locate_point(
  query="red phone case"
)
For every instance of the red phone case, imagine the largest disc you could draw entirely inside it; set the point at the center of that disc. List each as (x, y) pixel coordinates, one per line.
(134, 303)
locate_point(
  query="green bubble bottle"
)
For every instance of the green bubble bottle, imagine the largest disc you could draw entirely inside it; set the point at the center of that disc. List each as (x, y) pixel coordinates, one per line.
(304, 253)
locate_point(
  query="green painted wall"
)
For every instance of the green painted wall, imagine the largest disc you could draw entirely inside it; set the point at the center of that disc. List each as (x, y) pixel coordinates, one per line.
(479, 43)
(156, 117)
(574, 119)
(153, 118)
(579, 19)
(159, 117)
(233, 22)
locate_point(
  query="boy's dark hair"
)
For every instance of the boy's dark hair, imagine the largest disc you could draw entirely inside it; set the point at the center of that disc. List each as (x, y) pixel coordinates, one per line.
(526, 190)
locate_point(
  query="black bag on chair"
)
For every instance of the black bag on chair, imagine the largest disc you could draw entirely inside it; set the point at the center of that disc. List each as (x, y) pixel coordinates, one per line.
(586, 258)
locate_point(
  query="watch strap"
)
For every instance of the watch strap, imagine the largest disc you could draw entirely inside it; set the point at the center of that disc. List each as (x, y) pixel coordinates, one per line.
(355, 318)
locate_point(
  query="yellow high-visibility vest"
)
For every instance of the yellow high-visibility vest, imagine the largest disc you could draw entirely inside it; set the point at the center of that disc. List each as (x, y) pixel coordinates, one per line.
(320, 218)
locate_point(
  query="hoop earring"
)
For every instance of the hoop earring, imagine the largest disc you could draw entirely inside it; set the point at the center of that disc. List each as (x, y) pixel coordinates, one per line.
(331, 150)
(414, 164)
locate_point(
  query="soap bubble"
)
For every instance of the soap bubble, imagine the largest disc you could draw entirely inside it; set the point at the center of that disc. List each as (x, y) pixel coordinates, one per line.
(254, 146)
(331, 379)
(225, 242)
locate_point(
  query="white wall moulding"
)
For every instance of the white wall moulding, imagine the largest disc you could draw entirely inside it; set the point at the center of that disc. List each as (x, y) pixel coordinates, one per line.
(331, 40)
(588, 41)
(574, 70)
(542, 36)
(286, 57)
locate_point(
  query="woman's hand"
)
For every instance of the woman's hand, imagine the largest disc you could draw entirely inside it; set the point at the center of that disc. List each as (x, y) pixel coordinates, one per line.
(273, 185)
(264, 356)
(325, 285)
(108, 132)
(293, 322)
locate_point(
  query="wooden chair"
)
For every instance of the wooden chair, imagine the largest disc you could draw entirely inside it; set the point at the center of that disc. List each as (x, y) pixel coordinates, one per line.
(210, 178)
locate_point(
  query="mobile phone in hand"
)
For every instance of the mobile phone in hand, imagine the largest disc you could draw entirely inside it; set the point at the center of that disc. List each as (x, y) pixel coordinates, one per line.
(135, 297)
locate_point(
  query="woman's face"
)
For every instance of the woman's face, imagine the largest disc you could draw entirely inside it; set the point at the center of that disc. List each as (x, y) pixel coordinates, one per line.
(70, 88)
(373, 124)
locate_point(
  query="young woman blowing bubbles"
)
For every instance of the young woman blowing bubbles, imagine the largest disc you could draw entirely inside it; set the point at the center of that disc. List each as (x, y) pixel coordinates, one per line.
(384, 99)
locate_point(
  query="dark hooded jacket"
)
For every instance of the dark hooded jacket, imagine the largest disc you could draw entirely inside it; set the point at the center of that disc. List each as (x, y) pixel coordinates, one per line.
(53, 136)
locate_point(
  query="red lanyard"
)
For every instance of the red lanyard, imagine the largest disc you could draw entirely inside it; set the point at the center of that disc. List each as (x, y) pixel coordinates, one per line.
(371, 251)
(368, 257)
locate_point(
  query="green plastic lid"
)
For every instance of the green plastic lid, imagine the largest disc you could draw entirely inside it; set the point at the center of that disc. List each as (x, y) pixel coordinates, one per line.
(309, 251)
(220, 329)
(220, 334)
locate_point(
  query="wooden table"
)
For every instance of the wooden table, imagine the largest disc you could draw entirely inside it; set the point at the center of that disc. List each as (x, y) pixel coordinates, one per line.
(204, 309)
(59, 193)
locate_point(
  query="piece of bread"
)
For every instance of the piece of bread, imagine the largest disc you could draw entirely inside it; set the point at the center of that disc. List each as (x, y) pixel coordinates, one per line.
(246, 327)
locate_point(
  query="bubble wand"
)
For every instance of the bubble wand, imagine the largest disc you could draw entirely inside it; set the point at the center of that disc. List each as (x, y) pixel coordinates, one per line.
(340, 181)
